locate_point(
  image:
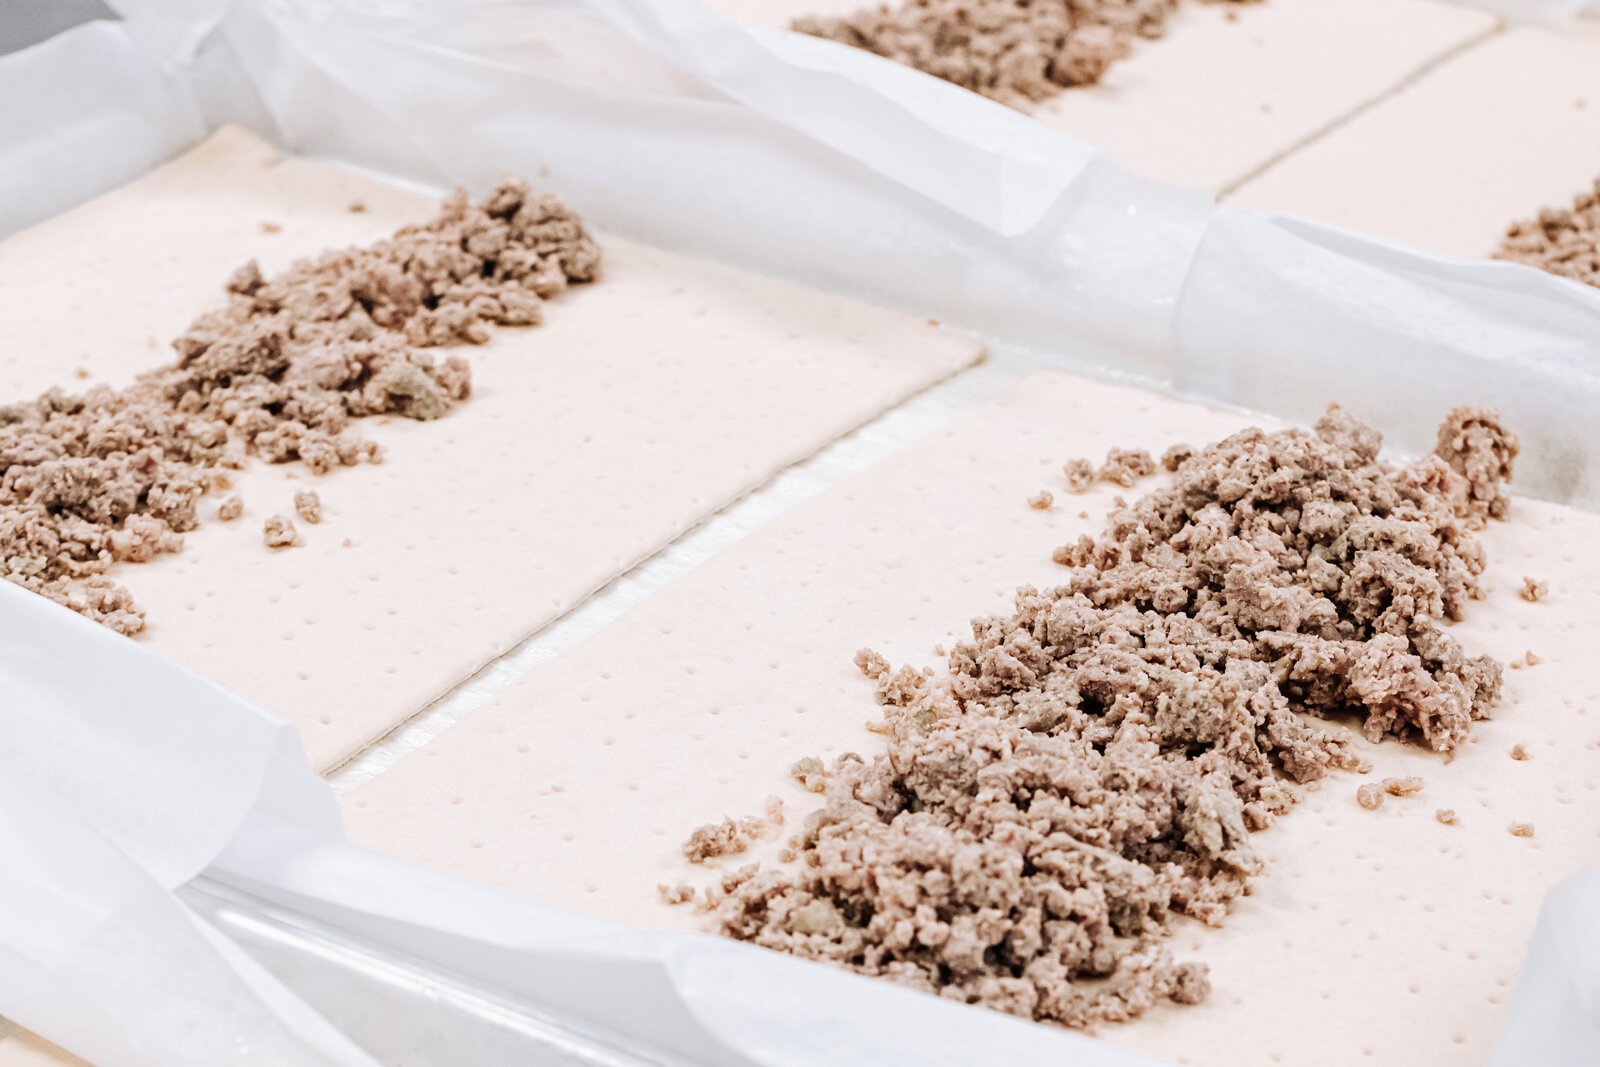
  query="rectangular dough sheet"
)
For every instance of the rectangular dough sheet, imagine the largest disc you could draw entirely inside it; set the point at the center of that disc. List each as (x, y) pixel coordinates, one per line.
(1231, 86)
(578, 784)
(1447, 163)
(644, 403)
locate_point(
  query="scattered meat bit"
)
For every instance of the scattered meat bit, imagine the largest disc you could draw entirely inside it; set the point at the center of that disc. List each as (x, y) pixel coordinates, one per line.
(347, 543)
(308, 505)
(1446, 816)
(1564, 241)
(1370, 796)
(938, 650)
(282, 372)
(1402, 787)
(230, 508)
(1533, 590)
(1041, 500)
(1175, 457)
(1477, 447)
(1126, 466)
(1521, 829)
(871, 663)
(1531, 659)
(81, 373)
(1080, 475)
(676, 894)
(901, 687)
(357, 207)
(1013, 51)
(810, 773)
(726, 838)
(279, 532)
(1519, 752)
(1120, 736)
(271, 227)
(730, 836)
(245, 281)
(737, 877)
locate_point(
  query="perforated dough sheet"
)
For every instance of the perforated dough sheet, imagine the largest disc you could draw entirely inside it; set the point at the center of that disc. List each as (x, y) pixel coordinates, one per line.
(644, 403)
(1231, 86)
(1489, 137)
(1381, 934)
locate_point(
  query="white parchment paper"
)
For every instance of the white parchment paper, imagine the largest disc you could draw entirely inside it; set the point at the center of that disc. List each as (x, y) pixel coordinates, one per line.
(123, 776)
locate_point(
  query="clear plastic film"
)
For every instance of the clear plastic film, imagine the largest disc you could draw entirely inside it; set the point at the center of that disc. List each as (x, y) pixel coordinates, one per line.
(782, 154)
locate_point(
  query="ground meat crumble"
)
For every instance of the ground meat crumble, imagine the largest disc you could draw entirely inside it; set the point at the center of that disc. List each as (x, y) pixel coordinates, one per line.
(1079, 474)
(308, 505)
(1014, 51)
(279, 532)
(1125, 466)
(1564, 241)
(1097, 760)
(733, 836)
(282, 372)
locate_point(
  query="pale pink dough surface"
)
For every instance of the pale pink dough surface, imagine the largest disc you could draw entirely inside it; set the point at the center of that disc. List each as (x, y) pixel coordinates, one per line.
(578, 784)
(1447, 163)
(19, 1048)
(1219, 97)
(643, 404)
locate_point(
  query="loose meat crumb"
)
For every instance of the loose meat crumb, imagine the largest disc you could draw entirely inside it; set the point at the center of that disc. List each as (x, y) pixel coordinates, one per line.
(731, 836)
(282, 372)
(810, 773)
(1041, 500)
(308, 505)
(676, 894)
(1175, 457)
(1402, 787)
(230, 508)
(1098, 759)
(1521, 829)
(1533, 590)
(1079, 474)
(871, 663)
(357, 207)
(1125, 467)
(279, 532)
(1519, 752)
(1531, 659)
(270, 227)
(1446, 816)
(1477, 447)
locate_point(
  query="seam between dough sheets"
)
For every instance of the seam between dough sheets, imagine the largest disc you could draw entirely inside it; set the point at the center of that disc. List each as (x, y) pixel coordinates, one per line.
(1337, 123)
(914, 417)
